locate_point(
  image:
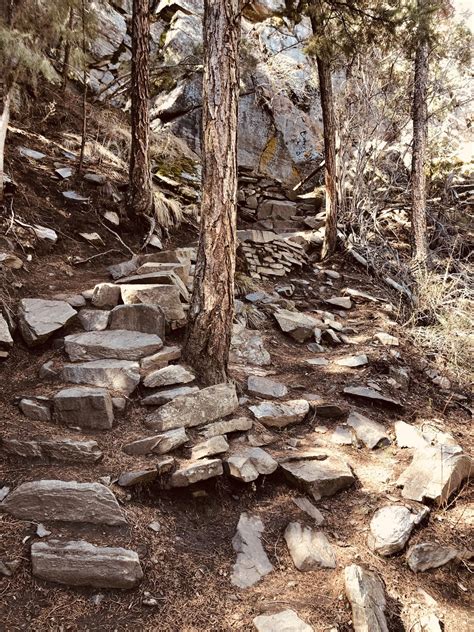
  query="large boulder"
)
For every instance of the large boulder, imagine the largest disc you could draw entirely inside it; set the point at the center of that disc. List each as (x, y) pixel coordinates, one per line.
(39, 319)
(80, 563)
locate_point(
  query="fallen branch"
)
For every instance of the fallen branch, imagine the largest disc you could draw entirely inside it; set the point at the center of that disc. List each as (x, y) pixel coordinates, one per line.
(100, 254)
(117, 236)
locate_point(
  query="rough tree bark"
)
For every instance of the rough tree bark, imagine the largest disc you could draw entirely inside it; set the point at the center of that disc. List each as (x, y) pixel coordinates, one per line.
(212, 305)
(140, 192)
(420, 135)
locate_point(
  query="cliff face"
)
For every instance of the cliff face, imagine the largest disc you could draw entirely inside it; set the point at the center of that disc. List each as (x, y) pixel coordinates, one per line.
(280, 125)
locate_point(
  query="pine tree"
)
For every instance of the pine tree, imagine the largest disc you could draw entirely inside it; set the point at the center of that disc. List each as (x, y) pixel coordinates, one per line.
(212, 305)
(140, 191)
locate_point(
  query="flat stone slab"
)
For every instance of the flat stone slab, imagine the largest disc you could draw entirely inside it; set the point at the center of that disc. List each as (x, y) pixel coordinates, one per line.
(252, 562)
(167, 395)
(169, 376)
(284, 621)
(309, 549)
(248, 463)
(297, 325)
(313, 512)
(371, 433)
(391, 527)
(119, 344)
(45, 500)
(121, 376)
(366, 594)
(281, 414)
(426, 555)
(247, 347)
(264, 387)
(409, 436)
(195, 409)
(370, 394)
(352, 361)
(68, 450)
(85, 407)
(227, 426)
(38, 319)
(167, 297)
(340, 301)
(148, 319)
(79, 563)
(210, 447)
(137, 477)
(435, 473)
(194, 472)
(158, 444)
(319, 477)
(160, 359)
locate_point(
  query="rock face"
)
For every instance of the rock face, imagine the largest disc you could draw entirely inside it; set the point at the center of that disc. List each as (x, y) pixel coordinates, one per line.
(371, 433)
(68, 450)
(284, 621)
(168, 376)
(309, 549)
(79, 563)
(249, 463)
(122, 376)
(194, 472)
(366, 594)
(119, 344)
(39, 319)
(247, 346)
(148, 319)
(435, 473)
(319, 477)
(391, 527)
(280, 415)
(84, 407)
(422, 557)
(167, 297)
(61, 500)
(299, 326)
(158, 444)
(252, 562)
(195, 409)
(263, 387)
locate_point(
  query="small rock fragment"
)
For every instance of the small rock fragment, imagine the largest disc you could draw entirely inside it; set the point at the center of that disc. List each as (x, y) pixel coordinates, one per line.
(386, 339)
(284, 621)
(371, 433)
(307, 506)
(247, 464)
(280, 415)
(36, 408)
(422, 557)
(264, 387)
(309, 549)
(252, 562)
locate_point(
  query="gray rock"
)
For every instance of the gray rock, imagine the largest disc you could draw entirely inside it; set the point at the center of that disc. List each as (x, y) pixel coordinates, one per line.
(408, 436)
(352, 361)
(41, 531)
(247, 346)
(121, 376)
(252, 562)
(366, 594)
(139, 477)
(111, 31)
(39, 319)
(194, 472)
(195, 409)
(160, 277)
(168, 376)
(149, 319)
(372, 395)
(299, 326)
(422, 557)
(79, 563)
(106, 295)
(309, 549)
(158, 444)
(226, 426)
(435, 473)
(160, 359)
(119, 344)
(165, 296)
(307, 506)
(387, 339)
(340, 301)
(215, 445)
(6, 340)
(263, 387)
(74, 300)
(85, 407)
(280, 415)
(94, 319)
(122, 269)
(119, 403)
(164, 396)
(317, 361)
(45, 501)
(324, 408)
(427, 623)
(47, 371)
(68, 450)
(284, 621)
(343, 436)
(247, 464)
(319, 477)
(391, 527)
(371, 433)
(36, 409)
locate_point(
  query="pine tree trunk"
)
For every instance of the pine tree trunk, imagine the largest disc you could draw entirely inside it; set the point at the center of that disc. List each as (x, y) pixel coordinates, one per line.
(4, 119)
(330, 173)
(212, 305)
(140, 195)
(420, 134)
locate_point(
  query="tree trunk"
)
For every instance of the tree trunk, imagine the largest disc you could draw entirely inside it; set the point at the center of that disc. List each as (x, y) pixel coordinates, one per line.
(67, 52)
(420, 134)
(330, 172)
(140, 194)
(4, 119)
(212, 305)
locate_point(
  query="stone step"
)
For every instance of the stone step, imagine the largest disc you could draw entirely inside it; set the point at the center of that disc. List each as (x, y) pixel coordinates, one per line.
(118, 344)
(55, 449)
(121, 376)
